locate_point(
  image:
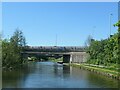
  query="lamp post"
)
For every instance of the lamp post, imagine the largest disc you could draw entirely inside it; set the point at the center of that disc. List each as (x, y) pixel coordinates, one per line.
(56, 41)
(93, 31)
(110, 23)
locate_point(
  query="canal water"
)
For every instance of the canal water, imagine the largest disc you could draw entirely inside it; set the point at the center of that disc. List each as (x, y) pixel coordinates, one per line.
(54, 75)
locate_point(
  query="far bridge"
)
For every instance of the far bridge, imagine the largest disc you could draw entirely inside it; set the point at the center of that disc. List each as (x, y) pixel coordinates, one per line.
(70, 54)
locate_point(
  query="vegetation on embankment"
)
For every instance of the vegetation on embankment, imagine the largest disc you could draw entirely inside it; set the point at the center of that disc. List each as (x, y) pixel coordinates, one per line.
(99, 70)
(56, 59)
(104, 55)
(105, 52)
(11, 50)
(37, 58)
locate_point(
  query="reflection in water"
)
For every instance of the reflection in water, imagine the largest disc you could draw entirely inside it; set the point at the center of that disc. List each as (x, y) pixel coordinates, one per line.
(101, 80)
(58, 68)
(13, 78)
(66, 71)
(54, 75)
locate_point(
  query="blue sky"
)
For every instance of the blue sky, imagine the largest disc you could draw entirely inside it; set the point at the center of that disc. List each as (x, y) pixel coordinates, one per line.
(71, 22)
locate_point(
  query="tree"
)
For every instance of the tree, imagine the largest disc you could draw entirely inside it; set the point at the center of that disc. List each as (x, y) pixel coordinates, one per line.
(18, 42)
(106, 51)
(18, 38)
(0, 48)
(12, 49)
(118, 25)
(88, 41)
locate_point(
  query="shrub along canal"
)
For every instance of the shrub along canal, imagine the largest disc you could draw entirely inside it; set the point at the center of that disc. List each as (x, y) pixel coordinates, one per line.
(54, 75)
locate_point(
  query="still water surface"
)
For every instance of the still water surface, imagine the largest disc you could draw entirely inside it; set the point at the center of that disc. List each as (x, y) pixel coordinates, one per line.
(54, 75)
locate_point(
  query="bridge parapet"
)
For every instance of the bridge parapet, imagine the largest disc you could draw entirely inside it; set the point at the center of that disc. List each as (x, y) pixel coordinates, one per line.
(55, 48)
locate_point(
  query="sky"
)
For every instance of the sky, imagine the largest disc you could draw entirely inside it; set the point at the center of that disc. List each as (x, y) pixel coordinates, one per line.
(64, 23)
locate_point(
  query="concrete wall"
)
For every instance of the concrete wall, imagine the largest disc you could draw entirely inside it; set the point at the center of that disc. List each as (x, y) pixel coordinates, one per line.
(79, 58)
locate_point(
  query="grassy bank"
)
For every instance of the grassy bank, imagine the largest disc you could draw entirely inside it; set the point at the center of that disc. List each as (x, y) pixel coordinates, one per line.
(56, 60)
(99, 69)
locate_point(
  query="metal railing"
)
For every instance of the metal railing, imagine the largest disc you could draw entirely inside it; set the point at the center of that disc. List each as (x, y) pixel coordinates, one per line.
(54, 48)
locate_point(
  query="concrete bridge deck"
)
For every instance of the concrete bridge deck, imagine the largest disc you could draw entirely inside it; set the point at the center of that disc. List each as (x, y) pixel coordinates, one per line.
(55, 48)
(75, 54)
(61, 53)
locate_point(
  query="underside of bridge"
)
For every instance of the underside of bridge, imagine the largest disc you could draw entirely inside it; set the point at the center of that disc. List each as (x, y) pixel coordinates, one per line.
(66, 58)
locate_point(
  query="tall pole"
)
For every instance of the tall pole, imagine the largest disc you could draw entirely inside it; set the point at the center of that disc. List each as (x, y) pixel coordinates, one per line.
(56, 41)
(93, 31)
(110, 22)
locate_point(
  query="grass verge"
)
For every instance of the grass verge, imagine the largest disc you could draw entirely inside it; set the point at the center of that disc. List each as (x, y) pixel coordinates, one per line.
(100, 70)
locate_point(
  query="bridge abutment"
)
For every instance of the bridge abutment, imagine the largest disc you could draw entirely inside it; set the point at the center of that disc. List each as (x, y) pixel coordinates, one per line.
(79, 58)
(75, 58)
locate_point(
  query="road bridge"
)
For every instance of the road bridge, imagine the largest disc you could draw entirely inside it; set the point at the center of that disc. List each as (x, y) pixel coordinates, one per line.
(70, 54)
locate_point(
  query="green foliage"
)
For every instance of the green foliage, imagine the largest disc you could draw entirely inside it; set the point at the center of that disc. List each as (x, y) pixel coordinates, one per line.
(11, 50)
(33, 58)
(118, 25)
(88, 41)
(118, 60)
(105, 52)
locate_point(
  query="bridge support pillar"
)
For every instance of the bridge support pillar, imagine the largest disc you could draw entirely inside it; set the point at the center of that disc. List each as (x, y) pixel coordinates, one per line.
(79, 58)
(66, 58)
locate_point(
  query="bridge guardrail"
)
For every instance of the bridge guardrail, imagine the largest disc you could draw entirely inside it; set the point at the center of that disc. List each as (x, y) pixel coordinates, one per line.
(54, 49)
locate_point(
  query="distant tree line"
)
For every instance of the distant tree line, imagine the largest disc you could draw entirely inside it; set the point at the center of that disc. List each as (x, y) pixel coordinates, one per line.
(107, 51)
(11, 50)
